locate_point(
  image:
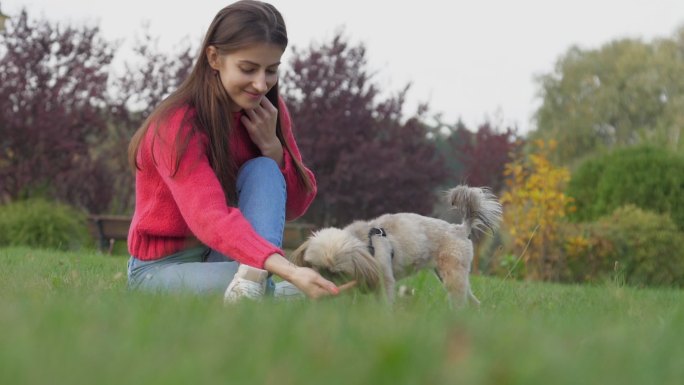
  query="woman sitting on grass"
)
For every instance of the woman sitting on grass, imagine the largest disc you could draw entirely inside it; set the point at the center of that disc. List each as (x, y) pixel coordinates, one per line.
(218, 171)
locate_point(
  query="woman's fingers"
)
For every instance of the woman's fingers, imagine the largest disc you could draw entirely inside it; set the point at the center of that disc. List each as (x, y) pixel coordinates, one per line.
(264, 110)
(267, 106)
(328, 286)
(315, 286)
(253, 115)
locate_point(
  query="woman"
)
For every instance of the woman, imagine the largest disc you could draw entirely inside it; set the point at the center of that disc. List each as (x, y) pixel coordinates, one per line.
(218, 171)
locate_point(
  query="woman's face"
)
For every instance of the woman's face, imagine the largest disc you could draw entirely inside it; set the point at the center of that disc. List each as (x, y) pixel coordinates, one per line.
(247, 74)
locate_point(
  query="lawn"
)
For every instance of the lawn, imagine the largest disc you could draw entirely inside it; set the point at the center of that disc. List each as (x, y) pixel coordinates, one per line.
(67, 318)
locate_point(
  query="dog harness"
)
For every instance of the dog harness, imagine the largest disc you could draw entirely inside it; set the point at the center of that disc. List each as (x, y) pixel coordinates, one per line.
(376, 231)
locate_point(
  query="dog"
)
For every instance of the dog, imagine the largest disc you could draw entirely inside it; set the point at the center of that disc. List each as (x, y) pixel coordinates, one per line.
(379, 252)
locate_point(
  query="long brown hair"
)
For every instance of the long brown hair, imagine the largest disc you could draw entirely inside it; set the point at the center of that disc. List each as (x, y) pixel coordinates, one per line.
(236, 26)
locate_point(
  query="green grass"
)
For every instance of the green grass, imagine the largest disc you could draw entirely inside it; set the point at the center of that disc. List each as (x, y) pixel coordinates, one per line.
(67, 318)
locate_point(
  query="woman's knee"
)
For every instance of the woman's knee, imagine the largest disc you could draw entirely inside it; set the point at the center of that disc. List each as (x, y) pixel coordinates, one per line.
(260, 168)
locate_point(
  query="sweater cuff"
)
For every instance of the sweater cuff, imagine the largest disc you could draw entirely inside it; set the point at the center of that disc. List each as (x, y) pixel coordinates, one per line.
(260, 250)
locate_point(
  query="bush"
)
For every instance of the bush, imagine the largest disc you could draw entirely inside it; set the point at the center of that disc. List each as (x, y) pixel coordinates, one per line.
(49, 131)
(647, 248)
(39, 223)
(650, 178)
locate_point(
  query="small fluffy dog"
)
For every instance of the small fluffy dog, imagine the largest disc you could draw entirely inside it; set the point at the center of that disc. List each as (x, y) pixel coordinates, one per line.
(379, 252)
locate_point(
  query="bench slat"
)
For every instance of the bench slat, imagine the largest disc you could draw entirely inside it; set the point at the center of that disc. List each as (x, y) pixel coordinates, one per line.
(108, 229)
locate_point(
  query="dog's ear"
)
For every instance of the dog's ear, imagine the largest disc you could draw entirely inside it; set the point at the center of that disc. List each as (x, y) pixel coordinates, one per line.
(366, 269)
(297, 256)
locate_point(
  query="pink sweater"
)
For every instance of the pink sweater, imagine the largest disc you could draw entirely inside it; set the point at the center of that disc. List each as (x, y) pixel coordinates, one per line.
(173, 212)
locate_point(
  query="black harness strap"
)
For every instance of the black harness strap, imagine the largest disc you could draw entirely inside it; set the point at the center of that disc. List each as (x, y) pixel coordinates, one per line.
(376, 231)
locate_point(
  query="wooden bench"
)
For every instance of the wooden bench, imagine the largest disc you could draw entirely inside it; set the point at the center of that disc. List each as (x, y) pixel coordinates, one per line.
(296, 233)
(108, 229)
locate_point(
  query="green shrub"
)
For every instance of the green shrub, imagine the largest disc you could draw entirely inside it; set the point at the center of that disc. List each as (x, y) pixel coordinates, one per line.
(650, 178)
(644, 248)
(44, 224)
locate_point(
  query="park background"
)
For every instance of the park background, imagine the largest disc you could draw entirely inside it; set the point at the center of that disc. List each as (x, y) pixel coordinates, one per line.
(591, 184)
(586, 186)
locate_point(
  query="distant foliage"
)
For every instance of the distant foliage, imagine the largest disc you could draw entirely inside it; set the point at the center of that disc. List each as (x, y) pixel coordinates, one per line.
(624, 93)
(640, 247)
(152, 75)
(53, 81)
(448, 138)
(534, 207)
(44, 224)
(648, 177)
(368, 158)
(64, 123)
(484, 155)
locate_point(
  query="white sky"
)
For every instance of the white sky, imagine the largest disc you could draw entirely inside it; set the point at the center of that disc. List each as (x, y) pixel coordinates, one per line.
(469, 59)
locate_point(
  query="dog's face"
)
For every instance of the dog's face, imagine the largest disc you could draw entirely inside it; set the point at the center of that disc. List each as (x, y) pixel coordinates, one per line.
(340, 257)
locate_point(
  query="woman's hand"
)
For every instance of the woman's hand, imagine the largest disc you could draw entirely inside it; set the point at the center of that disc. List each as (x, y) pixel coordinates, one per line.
(261, 127)
(314, 285)
(307, 280)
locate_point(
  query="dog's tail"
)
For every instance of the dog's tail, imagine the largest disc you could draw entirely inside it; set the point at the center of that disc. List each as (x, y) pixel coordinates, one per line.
(480, 208)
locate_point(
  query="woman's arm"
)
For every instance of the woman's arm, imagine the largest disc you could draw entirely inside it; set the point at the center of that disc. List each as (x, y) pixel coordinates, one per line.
(194, 191)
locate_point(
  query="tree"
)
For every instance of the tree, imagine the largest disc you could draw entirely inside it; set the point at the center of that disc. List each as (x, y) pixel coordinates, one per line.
(484, 155)
(448, 139)
(53, 81)
(626, 92)
(367, 158)
(534, 205)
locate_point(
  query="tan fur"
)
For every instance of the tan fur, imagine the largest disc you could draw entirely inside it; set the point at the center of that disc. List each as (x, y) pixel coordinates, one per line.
(413, 242)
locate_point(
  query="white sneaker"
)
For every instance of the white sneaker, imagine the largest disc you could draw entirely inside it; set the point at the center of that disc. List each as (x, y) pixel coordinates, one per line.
(286, 290)
(249, 282)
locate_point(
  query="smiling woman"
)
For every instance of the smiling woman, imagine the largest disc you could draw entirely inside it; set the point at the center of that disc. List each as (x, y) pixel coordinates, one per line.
(247, 74)
(218, 171)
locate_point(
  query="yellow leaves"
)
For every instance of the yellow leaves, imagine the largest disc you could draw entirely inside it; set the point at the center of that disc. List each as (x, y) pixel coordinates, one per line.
(576, 245)
(514, 169)
(553, 144)
(535, 199)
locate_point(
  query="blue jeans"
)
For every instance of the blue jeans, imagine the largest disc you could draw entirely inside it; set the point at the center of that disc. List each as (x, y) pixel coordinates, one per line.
(261, 199)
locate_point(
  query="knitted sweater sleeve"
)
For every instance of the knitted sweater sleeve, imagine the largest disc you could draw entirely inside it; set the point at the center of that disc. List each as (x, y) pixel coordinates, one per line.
(298, 198)
(199, 197)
